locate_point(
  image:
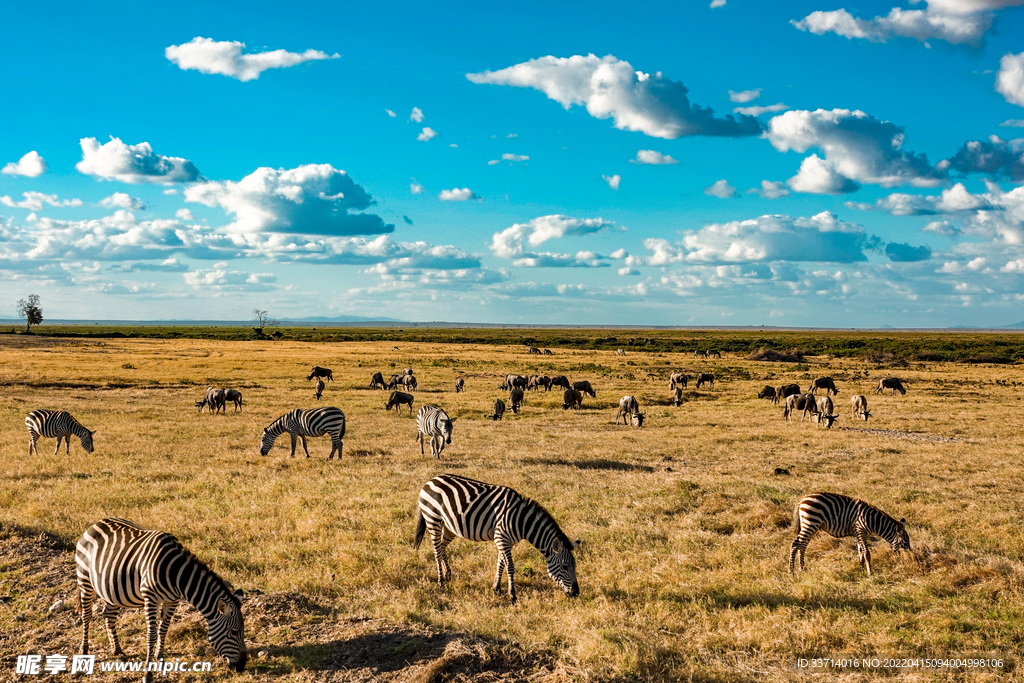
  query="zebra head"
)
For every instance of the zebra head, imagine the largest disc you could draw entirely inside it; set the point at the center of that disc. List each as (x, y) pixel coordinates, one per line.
(562, 566)
(227, 632)
(900, 540)
(446, 429)
(267, 442)
(87, 440)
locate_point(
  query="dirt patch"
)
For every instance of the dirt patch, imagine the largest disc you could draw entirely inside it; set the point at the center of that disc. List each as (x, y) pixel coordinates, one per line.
(897, 434)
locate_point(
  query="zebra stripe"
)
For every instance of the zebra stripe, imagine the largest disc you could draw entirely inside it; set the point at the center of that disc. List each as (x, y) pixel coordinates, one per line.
(302, 423)
(433, 422)
(842, 516)
(450, 506)
(127, 567)
(59, 424)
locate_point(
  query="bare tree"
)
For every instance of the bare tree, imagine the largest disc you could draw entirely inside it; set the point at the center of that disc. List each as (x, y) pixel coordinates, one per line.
(263, 320)
(30, 310)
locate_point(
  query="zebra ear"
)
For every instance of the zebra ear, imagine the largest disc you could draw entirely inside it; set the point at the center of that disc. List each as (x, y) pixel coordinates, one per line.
(222, 608)
(576, 544)
(93, 431)
(903, 520)
(240, 594)
(556, 546)
(453, 419)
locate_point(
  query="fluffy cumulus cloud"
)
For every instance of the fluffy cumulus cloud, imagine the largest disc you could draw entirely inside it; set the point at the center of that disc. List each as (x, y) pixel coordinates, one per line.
(208, 56)
(858, 149)
(1010, 81)
(519, 241)
(744, 95)
(427, 134)
(315, 199)
(994, 157)
(771, 189)
(721, 189)
(37, 201)
(415, 187)
(905, 253)
(31, 166)
(133, 163)
(511, 158)
(612, 180)
(457, 194)
(959, 22)
(611, 88)
(416, 115)
(121, 200)
(821, 238)
(952, 200)
(652, 158)
(221, 279)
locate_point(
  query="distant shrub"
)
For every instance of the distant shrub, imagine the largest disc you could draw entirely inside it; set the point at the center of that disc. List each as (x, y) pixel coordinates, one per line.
(127, 366)
(988, 358)
(927, 356)
(885, 358)
(770, 356)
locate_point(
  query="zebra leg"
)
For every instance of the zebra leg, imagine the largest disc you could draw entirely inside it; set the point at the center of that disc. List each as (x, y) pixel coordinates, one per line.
(440, 542)
(85, 597)
(419, 437)
(110, 618)
(151, 607)
(32, 444)
(800, 544)
(862, 549)
(293, 443)
(57, 449)
(440, 446)
(506, 559)
(303, 440)
(165, 623)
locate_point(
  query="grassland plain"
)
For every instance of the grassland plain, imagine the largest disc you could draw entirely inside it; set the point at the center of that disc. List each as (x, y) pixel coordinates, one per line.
(686, 529)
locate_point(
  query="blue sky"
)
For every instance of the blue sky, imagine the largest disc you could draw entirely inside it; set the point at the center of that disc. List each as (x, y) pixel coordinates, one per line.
(536, 164)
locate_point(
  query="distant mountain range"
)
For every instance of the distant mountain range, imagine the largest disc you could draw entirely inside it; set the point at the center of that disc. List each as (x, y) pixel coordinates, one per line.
(340, 319)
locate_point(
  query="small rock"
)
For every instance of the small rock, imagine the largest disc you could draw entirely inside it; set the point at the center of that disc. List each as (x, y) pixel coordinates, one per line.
(262, 654)
(57, 606)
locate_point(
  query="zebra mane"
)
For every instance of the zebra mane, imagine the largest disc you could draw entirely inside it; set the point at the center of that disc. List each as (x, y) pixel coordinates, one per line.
(224, 585)
(531, 503)
(883, 513)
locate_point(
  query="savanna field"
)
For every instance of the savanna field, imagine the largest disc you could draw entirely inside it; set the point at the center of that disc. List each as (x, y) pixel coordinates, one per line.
(686, 523)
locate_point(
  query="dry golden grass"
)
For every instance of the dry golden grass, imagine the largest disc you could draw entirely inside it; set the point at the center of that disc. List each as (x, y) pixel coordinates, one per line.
(685, 528)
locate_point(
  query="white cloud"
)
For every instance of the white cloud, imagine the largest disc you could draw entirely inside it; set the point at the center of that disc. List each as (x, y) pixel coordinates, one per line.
(315, 199)
(958, 22)
(512, 242)
(225, 58)
(512, 135)
(37, 201)
(613, 181)
(416, 115)
(222, 279)
(170, 191)
(721, 189)
(994, 157)
(133, 163)
(184, 215)
(391, 114)
(1010, 80)
(744, 95)
(415, 187)
(858, 149)
(944, 228)
(511, 158)
(717, 3)
(651, 157)
(458, 195)
(771, 189)
(427, 134)
(611, 88)
(31, 166)
(1013, 123)
(951, 200)
(121, 200)
(757, 111)
(821, 238)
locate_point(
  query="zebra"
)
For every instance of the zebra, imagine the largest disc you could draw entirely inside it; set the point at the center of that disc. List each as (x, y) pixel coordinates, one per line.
(433, 422)
(302, 423)
(318, 389)
(128, 567)
(450, 506)
(842, 516)
(56, 423)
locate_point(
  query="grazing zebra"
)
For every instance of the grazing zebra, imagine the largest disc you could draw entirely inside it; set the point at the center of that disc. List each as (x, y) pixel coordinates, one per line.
(127, 567)
(302, 423)
(433, 422)
(59, 424)
(842, 516)
(450, 506)
(319, 388)
(460, 385)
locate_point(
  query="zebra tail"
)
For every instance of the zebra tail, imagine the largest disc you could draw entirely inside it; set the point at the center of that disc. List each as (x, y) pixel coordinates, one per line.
(796, 519)
(421, 529)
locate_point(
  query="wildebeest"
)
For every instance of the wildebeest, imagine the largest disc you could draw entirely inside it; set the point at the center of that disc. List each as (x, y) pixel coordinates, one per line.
(628, 405)
(705, 377)
(860, 407)
(318, 389)
(394, 382)
(409, 382)
(712, 352)
(399, 399)
(825, 383)
(798, 402)
(234, 396)
(893, 383)
(584, 387)
(825, 412)
(677, 378)
(515, 381)
(785, 391)
(407, 371)
(769, 392)
(677, 397)
(547, 352)
(515, 400)
(697, 353)
(377, 381)
(499, 409)
(620, 352)
(560, 381)
(318, 371)
(533, 349)
(538, 381)
(215, 399)
(572, 399)
(460, 385)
